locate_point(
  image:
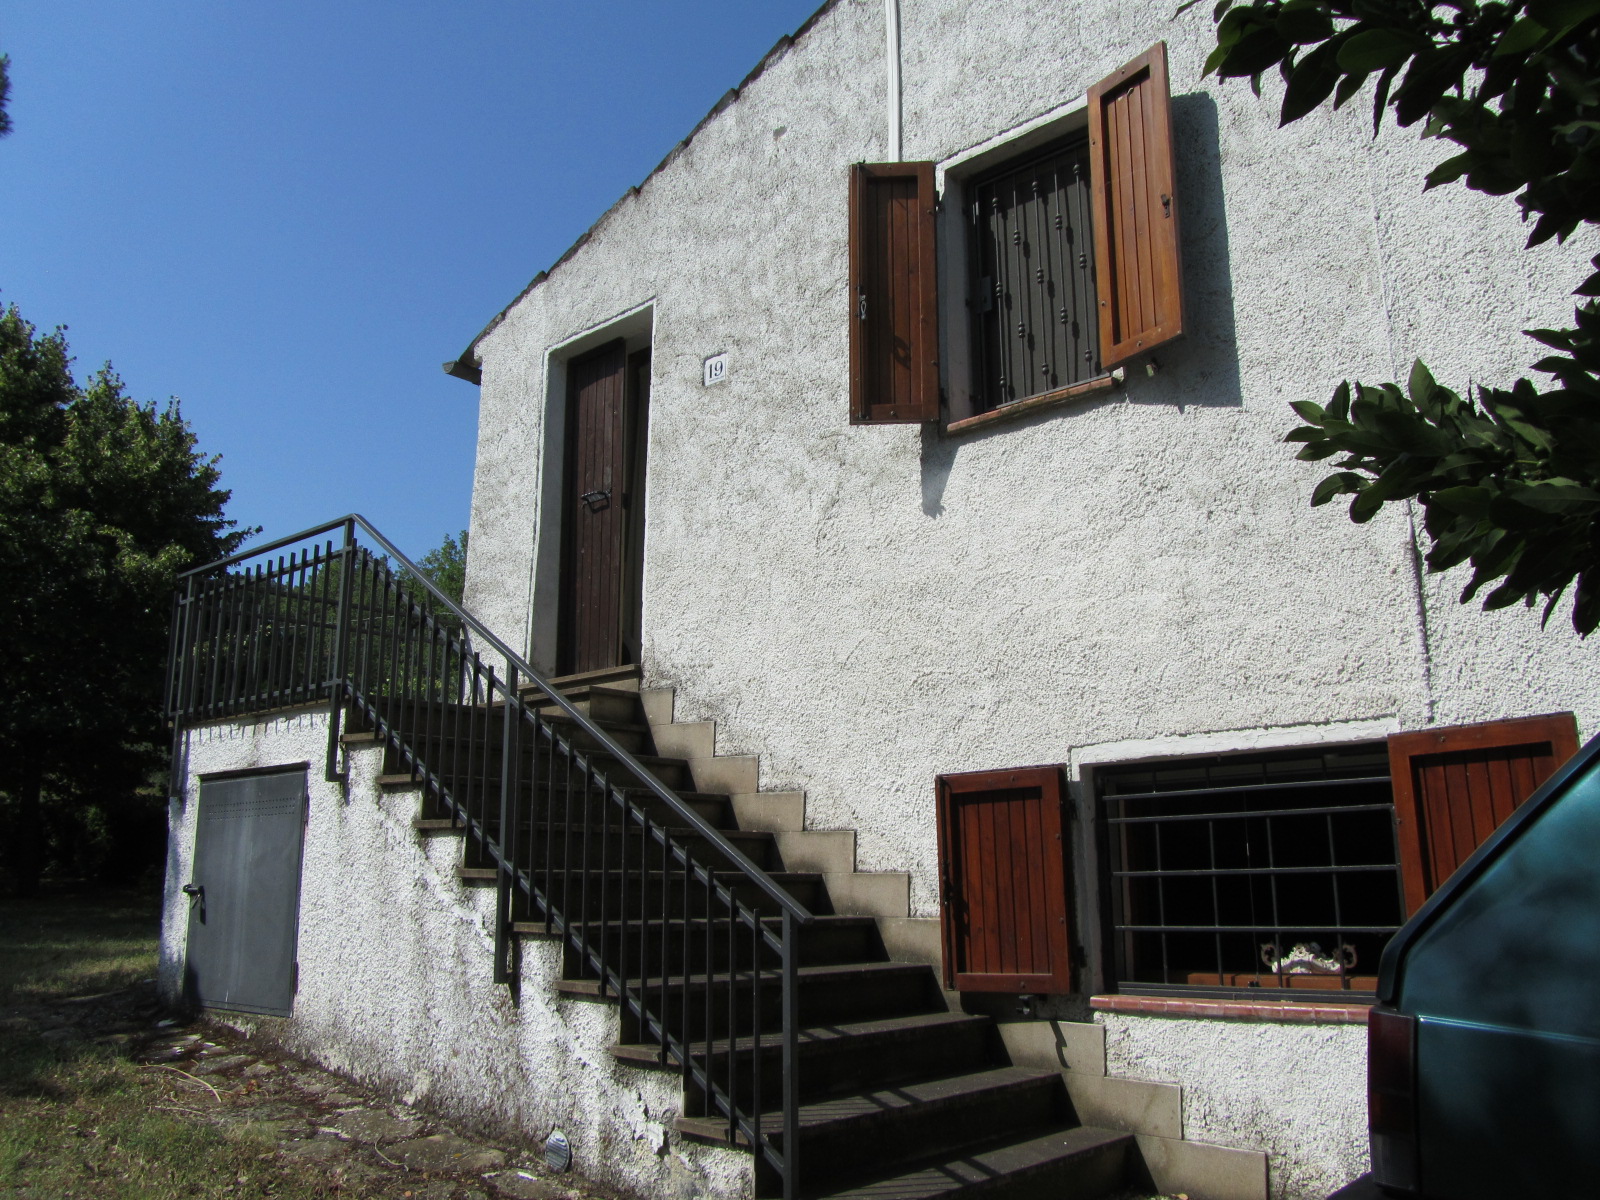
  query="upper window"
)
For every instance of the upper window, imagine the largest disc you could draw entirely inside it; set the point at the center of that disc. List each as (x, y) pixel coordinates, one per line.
(1073, 262)
(1031, 292)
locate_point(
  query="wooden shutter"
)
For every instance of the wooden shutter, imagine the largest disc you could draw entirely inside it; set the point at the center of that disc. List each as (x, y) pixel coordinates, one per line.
(1453, 787)
(1135, 204)
(1003, 881)
(894, 318)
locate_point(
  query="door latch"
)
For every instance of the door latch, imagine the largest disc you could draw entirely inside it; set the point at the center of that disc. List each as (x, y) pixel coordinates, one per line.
(596, 500)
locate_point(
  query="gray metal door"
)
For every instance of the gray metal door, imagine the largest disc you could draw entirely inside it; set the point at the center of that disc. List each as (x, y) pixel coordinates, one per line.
(244, 892)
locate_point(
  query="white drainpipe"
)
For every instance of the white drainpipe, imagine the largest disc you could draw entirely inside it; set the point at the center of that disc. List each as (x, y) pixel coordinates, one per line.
(891, 21)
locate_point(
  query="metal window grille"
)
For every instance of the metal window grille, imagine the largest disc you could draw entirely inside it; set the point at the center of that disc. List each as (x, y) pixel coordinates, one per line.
(1033, 296)
(1246, 875)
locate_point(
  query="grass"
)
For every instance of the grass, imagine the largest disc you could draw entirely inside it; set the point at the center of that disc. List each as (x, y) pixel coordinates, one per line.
(79, 1117)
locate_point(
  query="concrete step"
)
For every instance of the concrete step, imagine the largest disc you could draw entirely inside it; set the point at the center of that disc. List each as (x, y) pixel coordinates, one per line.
(855, 1137)
(553, 845)
(842, 1058)
(622, 678)
(483, 770)
(834, 993)
(1077, 1163)
(695, 944)
(655, 894)
(596, 701)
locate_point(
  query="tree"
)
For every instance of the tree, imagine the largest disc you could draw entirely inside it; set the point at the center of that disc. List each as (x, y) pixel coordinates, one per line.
(102, 501)
(1508, 478)
(446, 565)
(5, 93)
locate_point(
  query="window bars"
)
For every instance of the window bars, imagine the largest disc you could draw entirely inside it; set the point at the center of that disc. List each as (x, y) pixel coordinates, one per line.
(1234, 875)
(655, 906)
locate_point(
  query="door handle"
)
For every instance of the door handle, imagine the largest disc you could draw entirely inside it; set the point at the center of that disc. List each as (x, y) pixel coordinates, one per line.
(593, 499)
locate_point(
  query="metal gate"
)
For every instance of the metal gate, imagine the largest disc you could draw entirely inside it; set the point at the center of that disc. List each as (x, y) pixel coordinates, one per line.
(244, 892)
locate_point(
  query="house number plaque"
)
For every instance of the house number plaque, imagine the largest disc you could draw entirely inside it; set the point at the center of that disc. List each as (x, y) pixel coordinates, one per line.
(716, 369)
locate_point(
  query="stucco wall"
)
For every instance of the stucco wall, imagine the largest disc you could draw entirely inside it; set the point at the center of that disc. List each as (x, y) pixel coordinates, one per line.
(869, 607)
(1298, 1092)
(395, 990)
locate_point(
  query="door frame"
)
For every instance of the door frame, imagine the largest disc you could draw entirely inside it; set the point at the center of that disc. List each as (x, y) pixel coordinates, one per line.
(542, 616)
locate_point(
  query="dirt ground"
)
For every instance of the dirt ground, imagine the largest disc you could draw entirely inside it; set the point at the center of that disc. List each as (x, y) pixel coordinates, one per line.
(104, 1094)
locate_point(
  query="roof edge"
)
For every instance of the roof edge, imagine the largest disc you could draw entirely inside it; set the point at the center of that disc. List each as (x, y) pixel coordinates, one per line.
(468, 365)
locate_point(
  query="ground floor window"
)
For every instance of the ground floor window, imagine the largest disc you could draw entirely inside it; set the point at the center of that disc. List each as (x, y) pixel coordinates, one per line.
(1273, 871)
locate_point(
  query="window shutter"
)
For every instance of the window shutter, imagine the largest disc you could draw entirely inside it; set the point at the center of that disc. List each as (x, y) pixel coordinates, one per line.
(894, 318)
(1453, 787)
(1003, 881)
(1131, 173)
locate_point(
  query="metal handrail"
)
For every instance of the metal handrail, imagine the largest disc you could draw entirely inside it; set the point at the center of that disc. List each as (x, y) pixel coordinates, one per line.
(362, 640)
(695, 821)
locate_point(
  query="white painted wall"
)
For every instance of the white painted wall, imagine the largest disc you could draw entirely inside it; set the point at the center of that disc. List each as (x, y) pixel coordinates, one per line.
(395, 989)
(1297, 1092)
(1132, 577)
(869, 607)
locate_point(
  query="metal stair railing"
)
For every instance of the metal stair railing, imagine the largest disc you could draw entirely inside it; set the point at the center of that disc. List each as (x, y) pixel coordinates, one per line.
(671, 919)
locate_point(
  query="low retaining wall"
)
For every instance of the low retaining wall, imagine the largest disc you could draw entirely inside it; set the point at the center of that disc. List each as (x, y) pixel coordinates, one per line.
(1295, 1088)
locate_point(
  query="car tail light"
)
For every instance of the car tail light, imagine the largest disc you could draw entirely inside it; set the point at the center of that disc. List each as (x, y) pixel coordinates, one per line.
(1392, 1098)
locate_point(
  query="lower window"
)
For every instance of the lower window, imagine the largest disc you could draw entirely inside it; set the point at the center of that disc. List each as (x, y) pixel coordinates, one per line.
(1269, 872)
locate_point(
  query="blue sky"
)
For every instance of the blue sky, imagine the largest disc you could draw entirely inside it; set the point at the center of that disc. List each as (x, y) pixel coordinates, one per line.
(289, 214)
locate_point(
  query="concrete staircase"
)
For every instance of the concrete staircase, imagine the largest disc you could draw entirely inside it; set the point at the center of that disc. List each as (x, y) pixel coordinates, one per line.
(902, 1094)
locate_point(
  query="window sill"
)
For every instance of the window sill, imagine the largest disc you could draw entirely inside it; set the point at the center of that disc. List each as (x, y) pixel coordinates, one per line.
(1234, 1010)
(1033, 404)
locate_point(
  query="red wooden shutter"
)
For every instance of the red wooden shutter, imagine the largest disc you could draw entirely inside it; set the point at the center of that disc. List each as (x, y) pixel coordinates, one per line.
(894, 317)
(1003, 881)
(1135, 204)
(1453, 787)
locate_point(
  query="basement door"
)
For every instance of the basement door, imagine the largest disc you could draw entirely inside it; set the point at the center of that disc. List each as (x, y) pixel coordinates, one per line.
(603, 509)
(244, 892)
(1003, 881)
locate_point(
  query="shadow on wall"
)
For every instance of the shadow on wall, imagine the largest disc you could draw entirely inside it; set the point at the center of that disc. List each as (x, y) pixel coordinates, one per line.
(1202, 368)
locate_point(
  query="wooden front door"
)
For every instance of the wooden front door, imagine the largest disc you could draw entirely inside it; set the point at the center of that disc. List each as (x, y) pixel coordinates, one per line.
(602, 543)
(1454, 786)
(1003, 881)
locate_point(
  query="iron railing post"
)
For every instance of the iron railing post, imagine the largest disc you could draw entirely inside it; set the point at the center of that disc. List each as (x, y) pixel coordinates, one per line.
(341, 638)
(791, 1060)
(177, 675)
(502, 877)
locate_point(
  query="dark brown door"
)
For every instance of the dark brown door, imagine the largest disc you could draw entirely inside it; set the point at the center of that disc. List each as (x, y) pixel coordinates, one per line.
(1003, 879)
(595, 544)
(1454, 786)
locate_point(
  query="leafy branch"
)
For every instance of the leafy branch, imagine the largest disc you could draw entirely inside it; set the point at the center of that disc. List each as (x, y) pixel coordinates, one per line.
(1509, 479)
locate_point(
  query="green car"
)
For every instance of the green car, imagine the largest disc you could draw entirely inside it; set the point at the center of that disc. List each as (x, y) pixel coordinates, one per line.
(1484, 1048)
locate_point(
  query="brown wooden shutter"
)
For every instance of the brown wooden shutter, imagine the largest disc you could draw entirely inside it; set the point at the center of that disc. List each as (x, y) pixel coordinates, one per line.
(1003, 881)
(894, 317)
(1453, 787)
(1135, 203)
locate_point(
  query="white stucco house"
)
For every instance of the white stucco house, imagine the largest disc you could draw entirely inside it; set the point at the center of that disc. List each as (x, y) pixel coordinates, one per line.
(910, 440)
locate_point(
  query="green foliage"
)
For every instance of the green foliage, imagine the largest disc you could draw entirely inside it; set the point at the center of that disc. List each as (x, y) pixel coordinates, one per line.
(1513, 84)
(1509, 479)
(5, 93)
(102, 501)
(446, 565)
